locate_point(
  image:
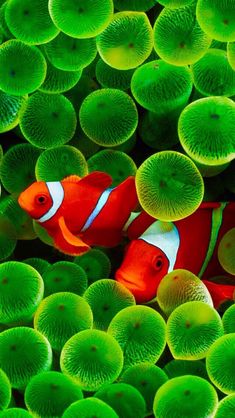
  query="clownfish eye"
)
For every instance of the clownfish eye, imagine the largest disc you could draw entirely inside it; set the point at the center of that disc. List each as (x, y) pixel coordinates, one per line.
(41, 199)
(158, 263)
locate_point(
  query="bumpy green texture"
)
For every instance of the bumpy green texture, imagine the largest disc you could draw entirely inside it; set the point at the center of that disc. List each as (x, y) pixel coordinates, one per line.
(110, 77)
(22, 68)
(124, 399)
(56, 163)
(21, 291)
(30, 22)
(116, 163)
(161, 87)
(108, 116)
(180, 286)
(17, 167)
(159, 132)
(95, 263)
(90, 408)
(49, 120)
(169, 186)
(185, 42)
(175, 4)
(64, 276)
(48, 394)
(228, 320)
(137, 5)
(60, 316)
(177, 368)
(81, 18)
(127, 41)
(226, 407)
(106, 298)
(212, 74)
(58, 81)
(10, 109)
(192, 328)
(231, 54)
(24, 352)
(40, 264)
(182, 397)
(15, 413)
(217, 18)
(92, 358)
(226, 251)
(206, 130)
(141, 333)
(70, 54)
(147, 379)
(5, 390)
(220, 363)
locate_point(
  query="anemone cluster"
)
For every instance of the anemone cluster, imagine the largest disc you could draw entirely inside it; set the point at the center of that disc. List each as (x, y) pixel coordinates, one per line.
(141, 88)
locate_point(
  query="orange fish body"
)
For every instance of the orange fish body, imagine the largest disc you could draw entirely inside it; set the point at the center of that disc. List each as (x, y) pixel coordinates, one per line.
(157, 248)
(80, 212)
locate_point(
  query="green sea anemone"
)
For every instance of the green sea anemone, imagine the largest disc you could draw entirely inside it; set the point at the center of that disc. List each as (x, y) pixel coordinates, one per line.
(175, 368)
(40, 264)
(192, 328)
(110, 77)
(82, 89)
(49, 394)
(5, 390)
(15, 413)
(92, 358)
(231, 54)
(226, 407)
(90, 408)
(10, 109)
(108, 116)
(95, 263)
(127, 41)
(175, 4)
(137, 5)
(228, 320)
(58, 81)
(226, 251)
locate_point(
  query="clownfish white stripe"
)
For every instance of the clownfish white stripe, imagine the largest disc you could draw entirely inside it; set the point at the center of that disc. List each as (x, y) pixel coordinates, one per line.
(167, 239)
(56, 191)
(99, 206)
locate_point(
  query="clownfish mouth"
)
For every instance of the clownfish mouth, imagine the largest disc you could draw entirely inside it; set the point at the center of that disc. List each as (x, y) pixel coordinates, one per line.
(125, 280)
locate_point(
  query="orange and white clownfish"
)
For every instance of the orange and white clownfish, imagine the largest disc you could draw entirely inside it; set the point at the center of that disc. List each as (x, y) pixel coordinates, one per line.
(157, 248)
(80, 212)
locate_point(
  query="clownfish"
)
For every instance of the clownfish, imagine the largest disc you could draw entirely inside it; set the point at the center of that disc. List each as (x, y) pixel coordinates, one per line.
(80, 212)
(156, 248)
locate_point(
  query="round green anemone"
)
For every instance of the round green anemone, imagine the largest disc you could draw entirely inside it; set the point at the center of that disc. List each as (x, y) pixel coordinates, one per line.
(177, 368)
(90, 408)
(217, 19)
(110, 77)
(159, 132)
(18, 166)
(42, 234)
(211, 170)
(92, 358)
(127, 146)
(5, 390)
(30, 22)
(108, 116)
(226, 251)
(106, 298)
(10, 109)
(8, 236)
(231, 54)
(169, 186)
(58, 81)
(220, 363)
(49, 120)
(21, 292)
(81, 18)
(15, 413)
(147, 378)
(192, 328)
(141, 333)
(226, 407)
(60, 316)
(127, 41)
(206, 130)
(95, 263)
(24, 352)
(161, 87)
(83, 143)
(3, 25)
(182, 397)
(70, 54)
(22, 68)
(137, 5)
(185, 42)
(212, 74)
(39, 264)
(180, 286)
(64, 276)
(125, 399)
(116, 163)
(175, 4)
(228, 320)
(48, 394)
(59, 162)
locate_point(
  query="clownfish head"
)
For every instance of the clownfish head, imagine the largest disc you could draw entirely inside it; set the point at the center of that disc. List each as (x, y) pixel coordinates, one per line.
(42, 199)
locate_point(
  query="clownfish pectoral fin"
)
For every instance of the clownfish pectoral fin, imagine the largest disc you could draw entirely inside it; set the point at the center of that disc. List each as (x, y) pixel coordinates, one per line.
(69, 237)
(97, 179)
(72, 179)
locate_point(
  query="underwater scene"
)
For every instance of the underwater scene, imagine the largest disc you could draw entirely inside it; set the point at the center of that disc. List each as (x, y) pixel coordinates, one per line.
(117, 208)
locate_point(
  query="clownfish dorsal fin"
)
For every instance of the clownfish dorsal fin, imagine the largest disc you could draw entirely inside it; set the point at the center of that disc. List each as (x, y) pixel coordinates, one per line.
(72, 179)
(97, 179)
(69, 237)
